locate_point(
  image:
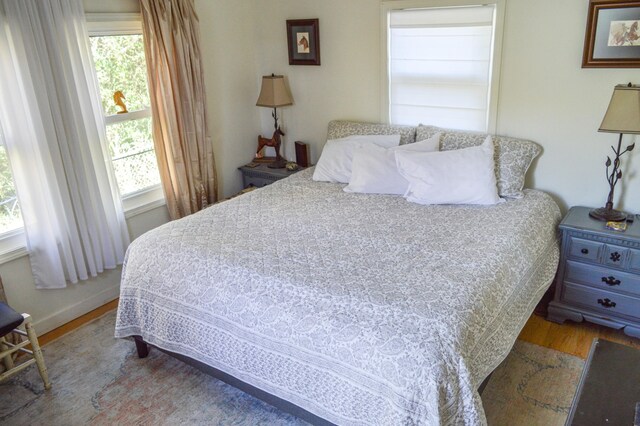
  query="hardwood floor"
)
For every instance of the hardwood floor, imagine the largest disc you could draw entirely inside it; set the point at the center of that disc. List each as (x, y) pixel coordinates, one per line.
(72, 325)
(572, 338)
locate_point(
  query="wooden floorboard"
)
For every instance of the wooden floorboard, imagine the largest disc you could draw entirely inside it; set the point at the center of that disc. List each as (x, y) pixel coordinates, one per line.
(72, 325)
(572, 338)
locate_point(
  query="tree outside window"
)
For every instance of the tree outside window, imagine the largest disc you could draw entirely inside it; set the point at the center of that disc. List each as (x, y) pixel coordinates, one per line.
(120, 65)
(10, 217)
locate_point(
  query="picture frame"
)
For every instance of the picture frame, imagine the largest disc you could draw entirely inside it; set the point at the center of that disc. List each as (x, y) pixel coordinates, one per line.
(303, 40)
(612, 38)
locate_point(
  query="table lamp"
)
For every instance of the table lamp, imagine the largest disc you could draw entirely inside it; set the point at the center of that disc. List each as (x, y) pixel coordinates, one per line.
(274, 94)
(623, 117)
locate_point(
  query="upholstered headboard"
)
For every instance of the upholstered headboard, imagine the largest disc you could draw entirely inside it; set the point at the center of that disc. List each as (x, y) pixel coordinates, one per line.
(341, 129)
(513, 155)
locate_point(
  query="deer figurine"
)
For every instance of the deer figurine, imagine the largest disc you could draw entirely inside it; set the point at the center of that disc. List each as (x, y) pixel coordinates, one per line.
(275, 143)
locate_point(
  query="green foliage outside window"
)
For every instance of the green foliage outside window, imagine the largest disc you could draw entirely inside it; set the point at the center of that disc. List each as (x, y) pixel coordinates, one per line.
(10, 217)
(133, 155)
(120, 66)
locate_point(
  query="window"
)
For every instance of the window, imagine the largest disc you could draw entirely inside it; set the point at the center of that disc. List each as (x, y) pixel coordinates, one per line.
(118, 55)
(10, 217)
(442, 65)
(12, 237)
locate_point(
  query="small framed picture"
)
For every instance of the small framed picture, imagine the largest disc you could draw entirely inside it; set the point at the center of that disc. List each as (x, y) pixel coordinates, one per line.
(303, 39)
(612, 39)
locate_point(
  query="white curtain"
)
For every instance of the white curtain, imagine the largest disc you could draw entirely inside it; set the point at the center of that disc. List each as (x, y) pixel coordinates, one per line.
(53, 128)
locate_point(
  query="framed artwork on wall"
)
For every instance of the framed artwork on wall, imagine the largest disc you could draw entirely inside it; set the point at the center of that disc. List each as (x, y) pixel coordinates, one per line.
(303, 39)
(612, 39)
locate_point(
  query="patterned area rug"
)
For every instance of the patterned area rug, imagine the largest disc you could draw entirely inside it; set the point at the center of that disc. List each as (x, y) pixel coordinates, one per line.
(100, 380)
(533, 386)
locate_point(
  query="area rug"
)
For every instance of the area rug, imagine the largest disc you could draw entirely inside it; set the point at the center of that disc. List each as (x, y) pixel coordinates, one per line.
(99, 380)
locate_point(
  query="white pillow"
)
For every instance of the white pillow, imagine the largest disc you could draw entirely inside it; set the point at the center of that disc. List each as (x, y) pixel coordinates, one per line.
(334, 164)
(374, 169)
(462, 176)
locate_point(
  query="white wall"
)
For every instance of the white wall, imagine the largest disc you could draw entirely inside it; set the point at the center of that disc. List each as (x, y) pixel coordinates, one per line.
(345, 85)
(229, 52)
(545, 95)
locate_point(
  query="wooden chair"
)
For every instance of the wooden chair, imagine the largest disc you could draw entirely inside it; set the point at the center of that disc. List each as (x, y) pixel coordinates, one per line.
(10, 320)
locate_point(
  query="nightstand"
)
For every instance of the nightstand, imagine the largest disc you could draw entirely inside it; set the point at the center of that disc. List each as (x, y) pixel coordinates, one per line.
(261, 175)
(599, 275)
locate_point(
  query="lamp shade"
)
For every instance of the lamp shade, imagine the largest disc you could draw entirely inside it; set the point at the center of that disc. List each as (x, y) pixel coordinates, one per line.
(274, 92)
(623, 114)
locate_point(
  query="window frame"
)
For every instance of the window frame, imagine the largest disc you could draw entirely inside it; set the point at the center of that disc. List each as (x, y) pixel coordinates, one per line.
(113, 24)
(13, 243)
(496, 55)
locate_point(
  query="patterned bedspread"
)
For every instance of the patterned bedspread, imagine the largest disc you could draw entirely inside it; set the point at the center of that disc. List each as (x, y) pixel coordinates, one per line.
(362, 309)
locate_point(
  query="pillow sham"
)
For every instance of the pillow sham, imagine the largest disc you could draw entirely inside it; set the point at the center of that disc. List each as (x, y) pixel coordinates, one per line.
(341, 129)
(334, 164)
(374, 169)
(513, 156)
(463, 176)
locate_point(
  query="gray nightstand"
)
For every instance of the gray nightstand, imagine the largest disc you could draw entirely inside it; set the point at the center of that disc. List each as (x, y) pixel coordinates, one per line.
(599, 275)
(261, 175)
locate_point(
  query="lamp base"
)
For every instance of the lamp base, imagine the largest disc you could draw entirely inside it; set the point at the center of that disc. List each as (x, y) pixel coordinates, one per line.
(278, 164)
(608, 215)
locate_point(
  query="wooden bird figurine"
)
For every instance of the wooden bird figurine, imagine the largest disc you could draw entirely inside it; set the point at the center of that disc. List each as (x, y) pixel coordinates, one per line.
(118, 97)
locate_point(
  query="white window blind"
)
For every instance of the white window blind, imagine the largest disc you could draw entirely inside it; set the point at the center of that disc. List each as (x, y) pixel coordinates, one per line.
(440, 66)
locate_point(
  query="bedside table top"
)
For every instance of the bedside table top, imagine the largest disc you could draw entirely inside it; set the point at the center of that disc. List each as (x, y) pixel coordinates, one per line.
(578, 218)
(263, 168)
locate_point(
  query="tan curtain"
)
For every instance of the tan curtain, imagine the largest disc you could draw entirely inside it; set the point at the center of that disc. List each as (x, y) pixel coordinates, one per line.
(178, 104)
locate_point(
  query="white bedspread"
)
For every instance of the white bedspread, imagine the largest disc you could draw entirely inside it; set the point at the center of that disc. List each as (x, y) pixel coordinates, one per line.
(362, 309)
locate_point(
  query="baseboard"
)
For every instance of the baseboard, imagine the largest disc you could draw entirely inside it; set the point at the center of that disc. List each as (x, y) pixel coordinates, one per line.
(55, 320)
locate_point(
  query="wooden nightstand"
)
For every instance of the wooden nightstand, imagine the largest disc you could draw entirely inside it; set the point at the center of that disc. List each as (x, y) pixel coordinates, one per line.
(261, 175)
(599, 275)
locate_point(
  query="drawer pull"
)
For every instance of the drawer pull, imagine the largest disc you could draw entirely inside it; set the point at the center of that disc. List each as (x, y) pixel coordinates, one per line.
(607, 303)
(615, 256)
(584, 251)
(611, 281)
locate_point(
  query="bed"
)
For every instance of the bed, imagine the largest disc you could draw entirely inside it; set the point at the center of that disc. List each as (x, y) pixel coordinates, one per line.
(347, 308)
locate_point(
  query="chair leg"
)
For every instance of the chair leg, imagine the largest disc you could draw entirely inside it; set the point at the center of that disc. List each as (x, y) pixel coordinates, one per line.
(37, 353)
(7, 360)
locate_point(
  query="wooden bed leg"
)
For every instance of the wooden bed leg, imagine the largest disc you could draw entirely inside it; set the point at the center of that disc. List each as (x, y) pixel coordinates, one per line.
(141, 347)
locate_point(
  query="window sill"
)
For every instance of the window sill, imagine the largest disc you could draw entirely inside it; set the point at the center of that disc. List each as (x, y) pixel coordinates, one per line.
(143, 201)
(13, 244)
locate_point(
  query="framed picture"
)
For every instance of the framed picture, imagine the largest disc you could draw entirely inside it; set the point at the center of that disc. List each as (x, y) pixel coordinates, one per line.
(612, 39)
(303, 39)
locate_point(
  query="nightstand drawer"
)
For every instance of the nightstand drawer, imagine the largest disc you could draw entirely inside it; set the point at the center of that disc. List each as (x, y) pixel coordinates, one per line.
(602, 278)
(615, 256)
(602, 301)
(261, 175)
(257, 181)
(584, 249)
(634, 260)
